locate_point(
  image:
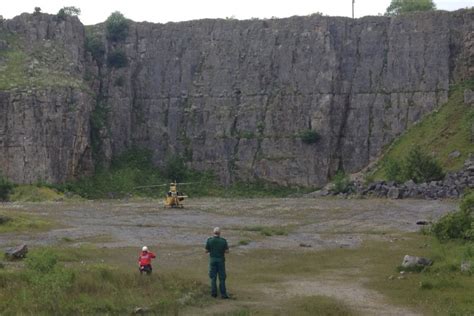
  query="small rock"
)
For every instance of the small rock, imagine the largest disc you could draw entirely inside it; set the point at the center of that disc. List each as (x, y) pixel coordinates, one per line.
(16, 252)
(468, 96)
(454, 154)
(305, 245)
(423, 222)
(391, 277)
(412, 261)
(393, 193)
(466, 266)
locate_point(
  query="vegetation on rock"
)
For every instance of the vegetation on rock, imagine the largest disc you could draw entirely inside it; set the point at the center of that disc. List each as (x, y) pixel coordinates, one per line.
(117, 27)
(5, 188)
(442, 132)
(309, 136)
(117, 59)
(398, 7)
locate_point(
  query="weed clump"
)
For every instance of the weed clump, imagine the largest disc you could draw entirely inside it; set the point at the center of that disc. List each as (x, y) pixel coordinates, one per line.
(459, 224)
(5, 188)
(417, 166)
(117, 27)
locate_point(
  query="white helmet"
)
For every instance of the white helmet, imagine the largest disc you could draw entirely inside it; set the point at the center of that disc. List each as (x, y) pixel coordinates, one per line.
(144, 248)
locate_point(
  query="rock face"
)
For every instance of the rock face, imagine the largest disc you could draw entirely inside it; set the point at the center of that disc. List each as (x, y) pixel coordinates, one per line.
(44, 104)
(233, 96)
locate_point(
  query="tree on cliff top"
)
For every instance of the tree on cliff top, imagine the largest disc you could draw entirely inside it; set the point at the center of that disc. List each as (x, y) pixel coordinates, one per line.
(117, 26)
(398, 7)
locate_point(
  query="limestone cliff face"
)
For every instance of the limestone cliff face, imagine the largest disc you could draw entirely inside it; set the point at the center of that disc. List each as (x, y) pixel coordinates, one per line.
(233, 96)
(44, 104)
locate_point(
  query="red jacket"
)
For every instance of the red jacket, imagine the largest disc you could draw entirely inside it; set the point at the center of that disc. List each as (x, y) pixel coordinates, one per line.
(145, 258)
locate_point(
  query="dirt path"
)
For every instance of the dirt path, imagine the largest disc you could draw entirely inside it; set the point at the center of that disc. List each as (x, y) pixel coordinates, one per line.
(315, 223)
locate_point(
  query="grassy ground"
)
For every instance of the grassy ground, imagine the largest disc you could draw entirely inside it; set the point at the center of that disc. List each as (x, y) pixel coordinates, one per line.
(440, 133)
(262, 282)
(16, 222)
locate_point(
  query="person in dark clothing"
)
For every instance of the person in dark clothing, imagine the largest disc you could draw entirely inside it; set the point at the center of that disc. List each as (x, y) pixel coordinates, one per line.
(217, 247)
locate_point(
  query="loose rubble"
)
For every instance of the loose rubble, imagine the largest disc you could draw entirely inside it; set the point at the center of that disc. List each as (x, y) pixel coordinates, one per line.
(452, 186)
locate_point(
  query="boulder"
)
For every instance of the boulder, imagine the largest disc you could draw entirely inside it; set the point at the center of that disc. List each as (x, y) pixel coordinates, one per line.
(412, 262)
(393, 193)
(466, 266)
(468, 96)
(454, 154)
(16, 252)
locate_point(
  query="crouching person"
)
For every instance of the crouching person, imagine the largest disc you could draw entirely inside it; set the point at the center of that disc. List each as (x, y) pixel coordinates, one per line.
(144, 260)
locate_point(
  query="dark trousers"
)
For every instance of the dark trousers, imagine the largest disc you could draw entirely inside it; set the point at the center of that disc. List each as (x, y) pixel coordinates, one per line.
(217, 268)
(146, 269)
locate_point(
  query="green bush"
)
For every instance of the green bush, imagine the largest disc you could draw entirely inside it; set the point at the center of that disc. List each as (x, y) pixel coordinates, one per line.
(394, 171)
(117, 27)
(68, 11)
(43, 261)
(403, 6)
(117, 59)
(175, 169)
(417, 166)
(459, 224)
(5, 188)
(309, 136)
(95, 46)
(421, 167)
(341, 182)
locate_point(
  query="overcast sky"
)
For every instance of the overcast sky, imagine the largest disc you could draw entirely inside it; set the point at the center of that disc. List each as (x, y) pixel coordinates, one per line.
(97, 11)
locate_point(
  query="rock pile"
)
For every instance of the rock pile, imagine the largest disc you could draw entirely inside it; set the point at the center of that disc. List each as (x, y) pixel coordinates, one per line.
(452, 186)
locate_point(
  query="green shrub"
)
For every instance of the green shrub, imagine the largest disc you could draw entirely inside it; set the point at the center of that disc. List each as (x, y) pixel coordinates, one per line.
(117, 59)
(403, 6)
(175, 169)
(421, 167)
(5, 188)
(394, 171)
(117, 27)
(459, 224)
(309, 136)
(341, 182)
(68, 11)
(43, 261)
(95, 46)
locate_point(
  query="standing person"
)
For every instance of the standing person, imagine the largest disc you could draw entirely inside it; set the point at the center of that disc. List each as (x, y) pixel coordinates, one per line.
(217, 247)
(144, 260)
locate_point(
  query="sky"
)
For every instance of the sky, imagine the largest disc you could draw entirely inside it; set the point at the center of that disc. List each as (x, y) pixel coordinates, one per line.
(159, 11)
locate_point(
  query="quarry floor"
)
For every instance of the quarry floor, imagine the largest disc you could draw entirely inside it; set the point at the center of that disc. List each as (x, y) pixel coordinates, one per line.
(257, 231)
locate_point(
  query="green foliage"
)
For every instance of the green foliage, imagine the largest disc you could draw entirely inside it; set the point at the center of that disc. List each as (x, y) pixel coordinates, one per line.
(98, 121)
(37, 11)
(341, 182)
(309, 136)
(417, 166)
(117, 59)
(459, 224)
(68, 11)
(441, 132)
(398, 7)
(394, 171)
(421, 167)
(34, 193)
(175, 169)
(117, 27)
(47, 287)
(95, 46)
(5, 188)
